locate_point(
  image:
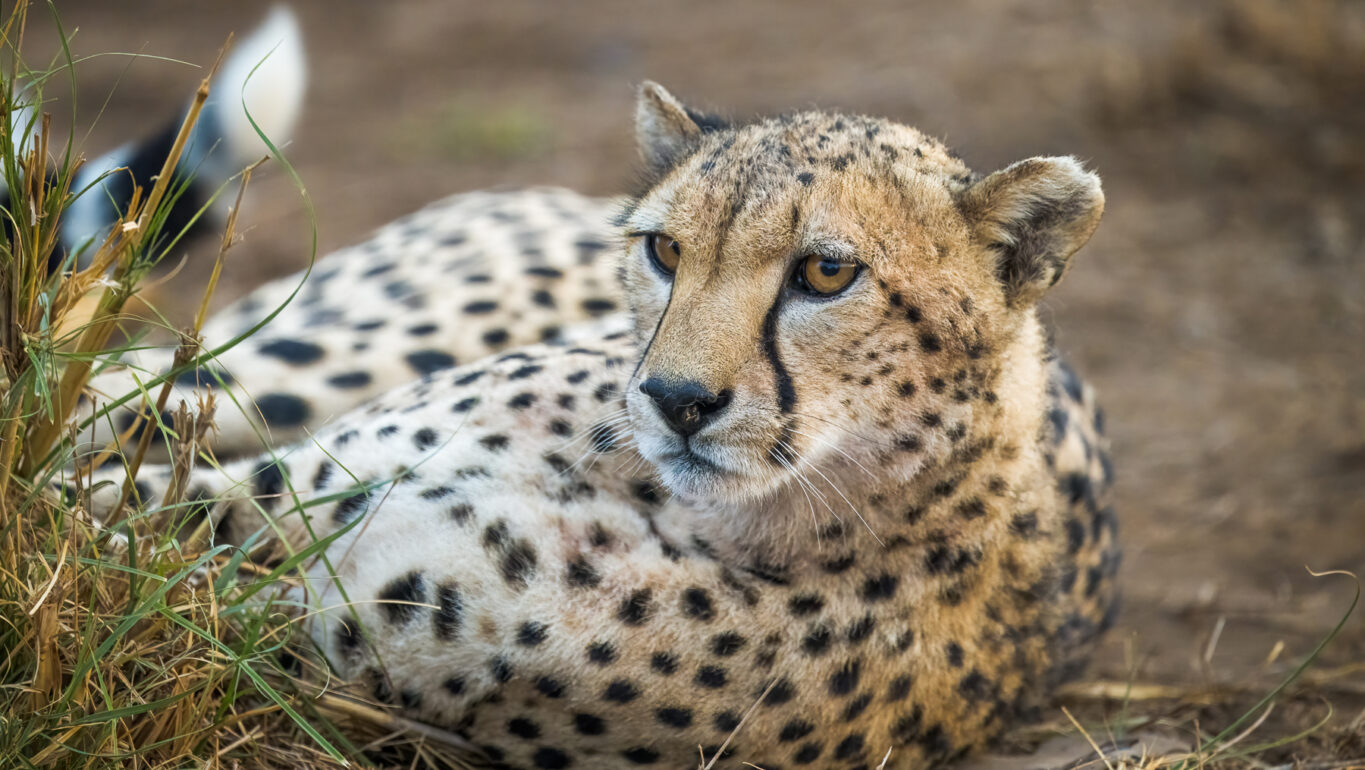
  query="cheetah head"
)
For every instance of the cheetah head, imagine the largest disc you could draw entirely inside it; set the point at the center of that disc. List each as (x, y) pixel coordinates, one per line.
(824, 294)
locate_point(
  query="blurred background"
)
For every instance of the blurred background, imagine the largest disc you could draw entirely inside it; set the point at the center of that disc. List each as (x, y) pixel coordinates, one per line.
(1220, 309)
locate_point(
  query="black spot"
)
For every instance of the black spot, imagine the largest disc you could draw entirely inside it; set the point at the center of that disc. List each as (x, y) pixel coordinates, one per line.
(807, 753)
(428, 361)
(495, 442)
(454, 685)
(449, 613)
(913, 314)
(641, 756)
(726, 721)
(782, 692)
(518, 564)
(1075, 535)
(664, 663)
(805, 604)
(501, 669)
(713, 677)
(267, 479)
(856, 707)
(399, 599)
(425, 439)
(293, 351)
(726, 644)
(482, 307)
(1025, 524)
(636, 609)
(282, 410)
(850, 747)
(674, 716)
(422, 330)
(204, 377)
(550, 758)
(621, 691)
(795, 730)
(323, 473)
(839, 564)
(943, 559)
(350, 507)
(975, 686)
(899, 689)
(879, 588)
(522, 400)
(348, 380)
(805, 178)
(587, 724)
(859, 630)
(845, 680)
(971, 508)
(817, 641)
(523, 728)
(954, 653)
(532, 634)
(581, 574)
(495, 337)
(696, 604)
(348, 636)
(460, 512)
(524, 372)
(368, 326)
(602, 653)
(909, 443)
(464, 405)
(596, 307)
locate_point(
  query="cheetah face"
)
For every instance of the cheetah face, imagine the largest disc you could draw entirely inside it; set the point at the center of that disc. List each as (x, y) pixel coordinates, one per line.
(819, 294)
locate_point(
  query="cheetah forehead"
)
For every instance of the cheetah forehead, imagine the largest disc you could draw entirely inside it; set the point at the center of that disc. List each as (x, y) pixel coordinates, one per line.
(740, 168)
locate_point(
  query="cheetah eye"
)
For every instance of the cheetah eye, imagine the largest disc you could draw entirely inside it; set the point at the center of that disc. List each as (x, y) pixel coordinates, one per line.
(824, 276)
(664, 252)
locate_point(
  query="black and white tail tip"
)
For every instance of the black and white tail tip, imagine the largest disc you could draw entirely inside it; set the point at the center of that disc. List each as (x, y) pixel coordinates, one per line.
(262, 81)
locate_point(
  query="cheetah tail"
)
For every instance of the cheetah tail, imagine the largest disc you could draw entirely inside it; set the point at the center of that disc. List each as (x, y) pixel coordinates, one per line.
(262, 80)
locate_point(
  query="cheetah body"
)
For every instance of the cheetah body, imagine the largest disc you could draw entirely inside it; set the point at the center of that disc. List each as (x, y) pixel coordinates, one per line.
(895, 537)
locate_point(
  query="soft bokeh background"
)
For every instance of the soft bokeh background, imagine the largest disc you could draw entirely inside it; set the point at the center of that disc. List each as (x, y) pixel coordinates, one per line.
(1220, 308)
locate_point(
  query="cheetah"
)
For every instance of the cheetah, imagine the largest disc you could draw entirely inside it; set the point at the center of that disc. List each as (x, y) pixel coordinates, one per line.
(827, 476)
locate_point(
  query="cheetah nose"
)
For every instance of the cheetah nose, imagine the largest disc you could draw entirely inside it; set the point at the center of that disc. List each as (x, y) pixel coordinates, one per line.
(685, 405)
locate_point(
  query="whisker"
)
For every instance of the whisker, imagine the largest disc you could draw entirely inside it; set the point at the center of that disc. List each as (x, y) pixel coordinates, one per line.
(831, 445)
(846, 501)
(877, 442)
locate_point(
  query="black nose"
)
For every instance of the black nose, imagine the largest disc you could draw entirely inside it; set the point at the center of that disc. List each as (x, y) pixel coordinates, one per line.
(686, 406)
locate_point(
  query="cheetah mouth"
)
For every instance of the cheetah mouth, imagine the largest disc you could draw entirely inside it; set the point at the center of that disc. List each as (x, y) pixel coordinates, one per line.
(687, 460)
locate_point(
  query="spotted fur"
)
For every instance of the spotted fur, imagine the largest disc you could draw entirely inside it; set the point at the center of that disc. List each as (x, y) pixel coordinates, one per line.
(894, 532)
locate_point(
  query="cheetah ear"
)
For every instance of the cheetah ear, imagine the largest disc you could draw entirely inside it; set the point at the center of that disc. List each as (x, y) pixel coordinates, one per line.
(1033, 216)
(664, 129)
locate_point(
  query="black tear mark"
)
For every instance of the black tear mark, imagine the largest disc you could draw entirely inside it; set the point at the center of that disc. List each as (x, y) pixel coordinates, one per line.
(786, 390)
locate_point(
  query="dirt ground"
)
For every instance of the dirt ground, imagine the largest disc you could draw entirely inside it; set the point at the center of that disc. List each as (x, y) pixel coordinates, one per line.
(1220, 308)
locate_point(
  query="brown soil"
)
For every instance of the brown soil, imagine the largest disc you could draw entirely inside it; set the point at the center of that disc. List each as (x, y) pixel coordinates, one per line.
(1220, 308)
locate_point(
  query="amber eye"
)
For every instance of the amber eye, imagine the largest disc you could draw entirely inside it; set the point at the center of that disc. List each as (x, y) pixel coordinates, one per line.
(664, 251)
(824, 276)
